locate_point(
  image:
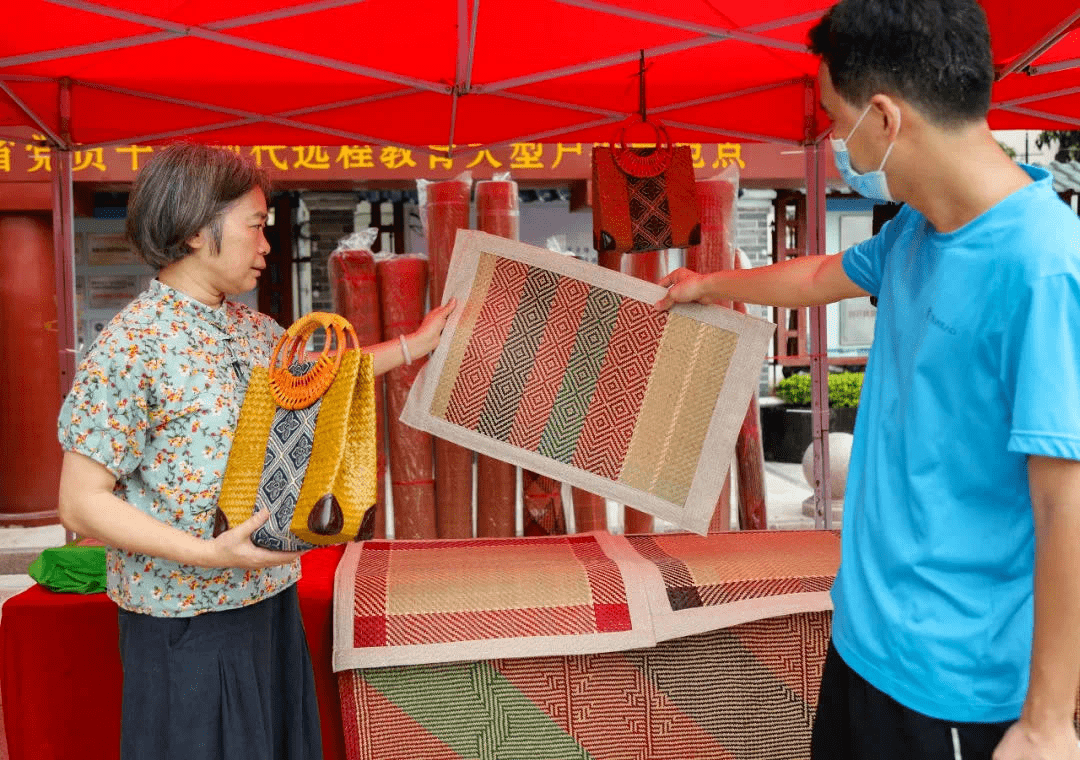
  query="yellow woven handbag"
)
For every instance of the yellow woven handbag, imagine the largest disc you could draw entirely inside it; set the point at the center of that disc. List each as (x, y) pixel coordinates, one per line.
(305, 444)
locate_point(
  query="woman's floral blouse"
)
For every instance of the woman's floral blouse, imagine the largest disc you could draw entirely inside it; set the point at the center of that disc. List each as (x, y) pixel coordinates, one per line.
(156, 401)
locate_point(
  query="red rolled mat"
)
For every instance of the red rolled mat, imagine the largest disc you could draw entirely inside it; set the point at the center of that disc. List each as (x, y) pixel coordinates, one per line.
(447, 212)
(590, 511)
(716, 253)
(750, 460)
(402, 288)
(542, 505)
(646, 266)
(496, 481)
(355, 296)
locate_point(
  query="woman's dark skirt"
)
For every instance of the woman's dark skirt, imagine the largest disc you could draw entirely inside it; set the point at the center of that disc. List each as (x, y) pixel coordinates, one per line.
(219, 686)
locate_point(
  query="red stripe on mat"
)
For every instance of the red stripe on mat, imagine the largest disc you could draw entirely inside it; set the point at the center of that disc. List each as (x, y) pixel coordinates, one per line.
(454, 627)
(620, 389)
(546, 375)
(485, 344)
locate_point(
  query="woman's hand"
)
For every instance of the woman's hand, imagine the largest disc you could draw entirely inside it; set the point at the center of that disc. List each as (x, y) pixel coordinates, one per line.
(426, 337)
(233, 548)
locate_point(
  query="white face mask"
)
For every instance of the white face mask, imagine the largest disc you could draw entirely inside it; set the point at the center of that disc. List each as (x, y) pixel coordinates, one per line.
(872, 185)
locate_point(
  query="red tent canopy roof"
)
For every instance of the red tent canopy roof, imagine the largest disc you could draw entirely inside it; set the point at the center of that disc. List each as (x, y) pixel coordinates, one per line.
(431, 72)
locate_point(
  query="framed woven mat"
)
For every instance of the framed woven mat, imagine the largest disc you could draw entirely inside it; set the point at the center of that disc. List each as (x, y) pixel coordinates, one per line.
(698, 584)
(566, 369)
(747, 693)
(408, 602)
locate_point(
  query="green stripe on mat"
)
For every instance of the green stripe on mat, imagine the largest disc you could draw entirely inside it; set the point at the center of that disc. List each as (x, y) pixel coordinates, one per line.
(559, 440)
(475, 711)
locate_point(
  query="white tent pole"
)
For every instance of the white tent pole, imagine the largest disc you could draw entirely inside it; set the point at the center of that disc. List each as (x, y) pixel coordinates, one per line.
(1052, 37)
(64, 242)
(1050, 68)
(732, 133)
(1036, 98)
(359, 138)
(1041, 115)
(727, 95)
(472, 44)
(712, 31)
(259, 47)
(158, 136)
(29, 112)
(149, 39)
(543, 76)
(819, 367)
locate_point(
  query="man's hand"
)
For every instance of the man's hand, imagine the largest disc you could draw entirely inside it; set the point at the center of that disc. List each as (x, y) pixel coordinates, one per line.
(683, 286)
(1023, 742)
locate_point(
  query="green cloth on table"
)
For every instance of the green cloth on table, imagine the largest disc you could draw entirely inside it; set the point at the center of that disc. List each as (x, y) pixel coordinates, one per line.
(71, 569)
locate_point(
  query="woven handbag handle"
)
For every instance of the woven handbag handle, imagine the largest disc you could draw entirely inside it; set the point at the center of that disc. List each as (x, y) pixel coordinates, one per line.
(636, 165)
(301, 391)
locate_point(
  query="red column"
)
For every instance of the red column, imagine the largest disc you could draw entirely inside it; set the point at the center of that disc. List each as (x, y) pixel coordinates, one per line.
(30, 454)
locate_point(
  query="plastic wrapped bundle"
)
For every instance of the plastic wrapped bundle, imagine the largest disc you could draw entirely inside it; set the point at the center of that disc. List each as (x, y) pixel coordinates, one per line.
(402, 289)
(445, 210)
(496, 481)
(541, 498)
(355, 296)
(590, 511)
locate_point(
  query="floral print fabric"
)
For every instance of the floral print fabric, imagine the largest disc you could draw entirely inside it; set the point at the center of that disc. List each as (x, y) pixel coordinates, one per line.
(156, 401)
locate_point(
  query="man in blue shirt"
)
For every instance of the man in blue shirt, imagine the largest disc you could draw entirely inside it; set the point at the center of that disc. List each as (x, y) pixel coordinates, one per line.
(956, 631)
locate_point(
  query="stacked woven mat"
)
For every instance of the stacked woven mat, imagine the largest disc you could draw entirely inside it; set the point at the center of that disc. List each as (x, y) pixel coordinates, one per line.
(653, 646)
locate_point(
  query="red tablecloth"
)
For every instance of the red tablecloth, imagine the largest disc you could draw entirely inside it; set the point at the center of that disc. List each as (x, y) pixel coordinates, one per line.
(61, 668)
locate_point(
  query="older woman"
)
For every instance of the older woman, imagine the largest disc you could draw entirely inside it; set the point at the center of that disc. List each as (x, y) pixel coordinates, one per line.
(146, 431)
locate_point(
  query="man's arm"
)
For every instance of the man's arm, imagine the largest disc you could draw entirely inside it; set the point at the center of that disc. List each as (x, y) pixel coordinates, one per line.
(1045, 728)
(804, 281)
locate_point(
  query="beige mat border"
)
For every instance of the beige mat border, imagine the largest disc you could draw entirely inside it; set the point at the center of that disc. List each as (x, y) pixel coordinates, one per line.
(674, 624)
(640, 635)
(753, 337)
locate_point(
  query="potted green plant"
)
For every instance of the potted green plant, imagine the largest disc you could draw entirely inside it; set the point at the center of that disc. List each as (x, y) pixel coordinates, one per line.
(785, 427)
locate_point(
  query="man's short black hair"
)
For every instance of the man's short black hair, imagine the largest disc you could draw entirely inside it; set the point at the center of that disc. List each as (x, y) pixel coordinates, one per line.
(935, 54)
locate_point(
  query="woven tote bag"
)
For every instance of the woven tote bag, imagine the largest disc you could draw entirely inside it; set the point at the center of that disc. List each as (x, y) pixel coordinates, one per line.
(644, 199)
(305, 444)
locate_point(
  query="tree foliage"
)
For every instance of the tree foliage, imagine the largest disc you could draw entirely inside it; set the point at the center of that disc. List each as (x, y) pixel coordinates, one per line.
(1067, 143)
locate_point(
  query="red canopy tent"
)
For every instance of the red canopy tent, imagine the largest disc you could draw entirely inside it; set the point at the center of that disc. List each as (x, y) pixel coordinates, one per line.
(430, 74)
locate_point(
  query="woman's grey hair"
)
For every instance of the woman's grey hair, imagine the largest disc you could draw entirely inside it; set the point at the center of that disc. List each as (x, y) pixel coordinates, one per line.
(184, 188)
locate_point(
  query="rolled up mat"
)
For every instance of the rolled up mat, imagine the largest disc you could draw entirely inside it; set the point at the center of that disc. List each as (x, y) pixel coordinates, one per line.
(649, 266)
(447, 212)
(750, 460)
(496, 481)
(402, 289)
(716, 253)
(590, 511)
(542, 505)
(354, 295)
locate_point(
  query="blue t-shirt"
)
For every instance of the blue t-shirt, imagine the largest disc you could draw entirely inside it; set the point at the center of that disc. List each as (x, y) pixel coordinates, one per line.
(975, 364)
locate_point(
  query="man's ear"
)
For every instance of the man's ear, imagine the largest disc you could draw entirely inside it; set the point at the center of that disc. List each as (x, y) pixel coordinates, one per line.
(889, 110)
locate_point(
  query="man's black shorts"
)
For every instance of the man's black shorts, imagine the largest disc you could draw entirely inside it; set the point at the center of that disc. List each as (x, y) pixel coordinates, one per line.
(856, 721)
